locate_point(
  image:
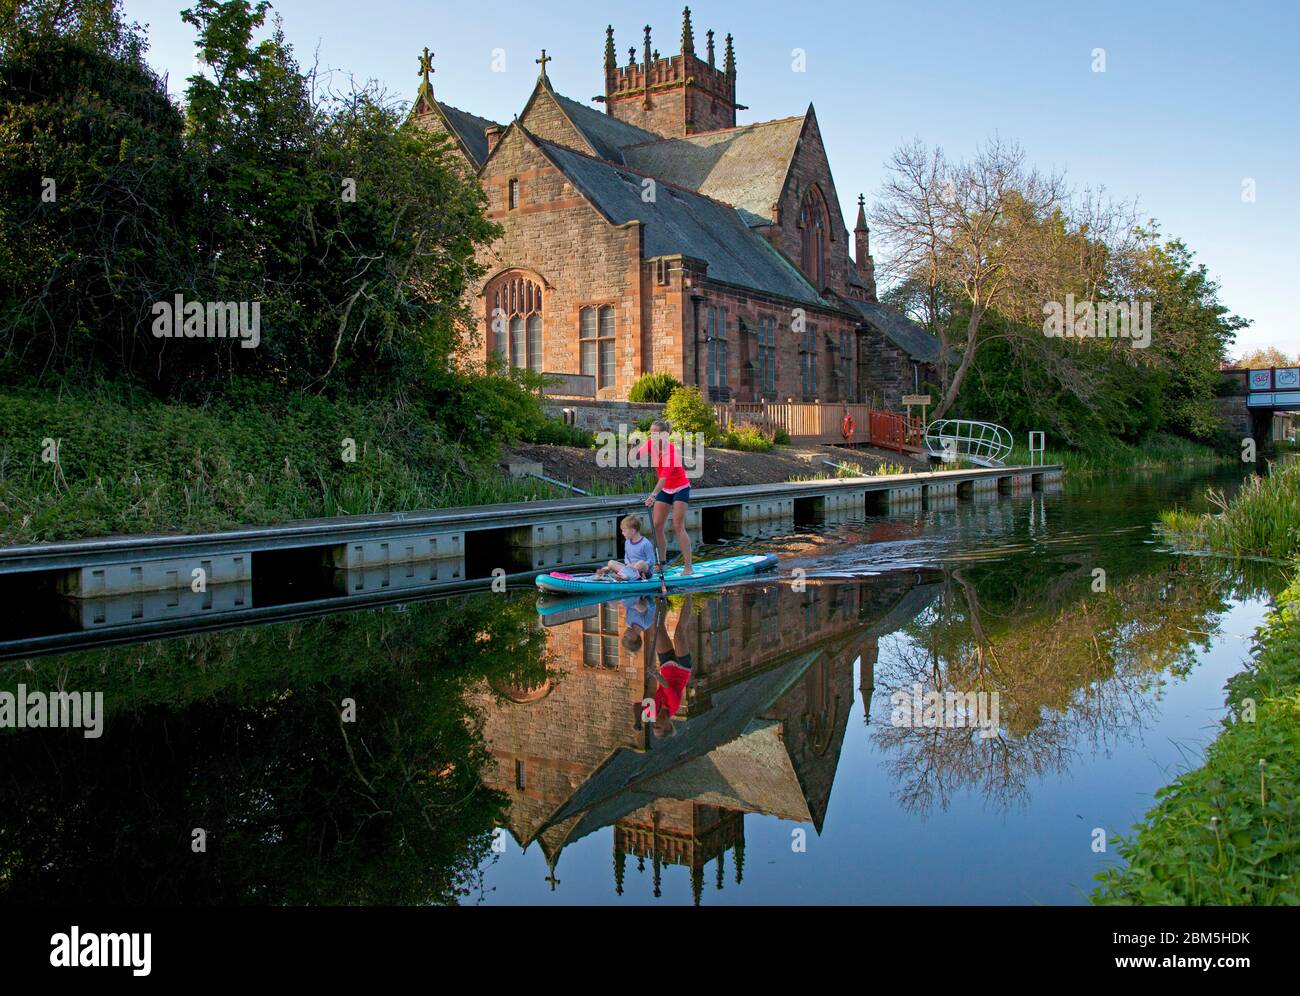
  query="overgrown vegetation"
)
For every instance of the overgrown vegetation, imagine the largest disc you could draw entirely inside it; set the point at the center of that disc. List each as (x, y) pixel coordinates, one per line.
(986, 249)
(1261, 520)
(345, 231)
(1225, 833)
(125, 462)
(1161, 450)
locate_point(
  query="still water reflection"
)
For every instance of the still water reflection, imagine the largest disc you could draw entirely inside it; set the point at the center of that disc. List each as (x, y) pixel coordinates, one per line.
(767, 742)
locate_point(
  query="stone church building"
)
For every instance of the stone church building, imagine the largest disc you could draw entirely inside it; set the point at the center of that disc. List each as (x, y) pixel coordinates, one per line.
(657, 235)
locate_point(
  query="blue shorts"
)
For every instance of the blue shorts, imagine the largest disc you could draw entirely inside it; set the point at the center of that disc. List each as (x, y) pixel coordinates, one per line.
(683, 495)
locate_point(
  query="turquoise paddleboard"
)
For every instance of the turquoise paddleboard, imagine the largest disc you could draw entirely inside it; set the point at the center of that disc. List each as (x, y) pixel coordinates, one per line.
(705, 572)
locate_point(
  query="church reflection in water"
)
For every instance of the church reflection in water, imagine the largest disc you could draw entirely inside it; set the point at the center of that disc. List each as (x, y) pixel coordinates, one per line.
(759, 728)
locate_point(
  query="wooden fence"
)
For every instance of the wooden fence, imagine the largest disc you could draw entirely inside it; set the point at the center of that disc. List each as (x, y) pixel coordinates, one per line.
(818, 423)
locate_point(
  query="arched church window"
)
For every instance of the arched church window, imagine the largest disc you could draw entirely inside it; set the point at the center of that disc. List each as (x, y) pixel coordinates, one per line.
(814, 233)
(515, 320)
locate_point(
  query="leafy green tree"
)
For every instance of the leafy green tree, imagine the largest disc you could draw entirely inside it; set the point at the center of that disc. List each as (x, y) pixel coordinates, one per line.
(1269, 356)
(96, 196)
(354, 229)
(1191, 332)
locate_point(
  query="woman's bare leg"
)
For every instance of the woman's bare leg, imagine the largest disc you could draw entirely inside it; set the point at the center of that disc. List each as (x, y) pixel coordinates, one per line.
(659, 517)
(683, 537)
(682, 639)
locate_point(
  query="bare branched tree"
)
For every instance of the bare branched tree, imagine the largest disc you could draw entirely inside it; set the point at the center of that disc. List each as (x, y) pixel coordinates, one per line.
(972, 226)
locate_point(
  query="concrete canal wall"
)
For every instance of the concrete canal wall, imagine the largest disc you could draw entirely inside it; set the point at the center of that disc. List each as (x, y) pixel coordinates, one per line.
(165, 575)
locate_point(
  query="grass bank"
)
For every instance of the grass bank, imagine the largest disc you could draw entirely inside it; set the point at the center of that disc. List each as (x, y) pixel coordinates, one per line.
(1158, 452)
(114, 461)
(1226, 833)
(1262, 520)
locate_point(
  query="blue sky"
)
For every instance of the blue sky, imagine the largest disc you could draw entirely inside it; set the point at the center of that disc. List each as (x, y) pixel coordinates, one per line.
(1195, 97)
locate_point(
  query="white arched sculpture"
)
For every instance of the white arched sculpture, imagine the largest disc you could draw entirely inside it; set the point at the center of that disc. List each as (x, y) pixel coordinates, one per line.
(953, 439)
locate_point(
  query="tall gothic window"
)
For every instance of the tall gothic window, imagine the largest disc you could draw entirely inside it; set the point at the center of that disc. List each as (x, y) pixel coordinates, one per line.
(808, 362)
(814, 233)
(765, 379)
(515, 321)
(596, 327)
(844, 366)
(716, 353)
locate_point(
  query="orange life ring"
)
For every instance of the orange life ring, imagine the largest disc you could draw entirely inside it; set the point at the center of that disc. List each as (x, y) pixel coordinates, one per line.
(847, 426)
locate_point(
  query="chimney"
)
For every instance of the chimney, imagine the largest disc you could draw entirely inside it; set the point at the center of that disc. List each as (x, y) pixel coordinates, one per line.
(493, 133)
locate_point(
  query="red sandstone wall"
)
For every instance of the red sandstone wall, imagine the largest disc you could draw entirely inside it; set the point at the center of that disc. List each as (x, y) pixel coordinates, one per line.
(556, 233)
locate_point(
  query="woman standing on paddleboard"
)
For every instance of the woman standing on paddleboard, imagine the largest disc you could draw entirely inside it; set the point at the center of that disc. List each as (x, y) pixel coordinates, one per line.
(671, 493)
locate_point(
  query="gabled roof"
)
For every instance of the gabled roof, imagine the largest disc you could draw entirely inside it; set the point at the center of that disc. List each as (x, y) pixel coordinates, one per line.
(606, 133)
(904, 333)
(745, 167)
(469, 130)
(616, 788)
(680, 221)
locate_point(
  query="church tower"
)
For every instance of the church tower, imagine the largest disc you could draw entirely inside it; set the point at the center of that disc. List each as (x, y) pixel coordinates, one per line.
(676, 95)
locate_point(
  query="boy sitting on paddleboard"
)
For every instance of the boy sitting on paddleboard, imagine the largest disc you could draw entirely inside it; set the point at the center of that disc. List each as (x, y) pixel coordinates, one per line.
(638, 554)
(640, 619)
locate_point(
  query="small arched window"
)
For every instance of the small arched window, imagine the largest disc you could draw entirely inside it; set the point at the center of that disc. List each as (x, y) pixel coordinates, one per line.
(814, 233)
(515, 320)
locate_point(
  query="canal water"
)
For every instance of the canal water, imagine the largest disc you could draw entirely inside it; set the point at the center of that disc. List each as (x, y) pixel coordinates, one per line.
(957, 704)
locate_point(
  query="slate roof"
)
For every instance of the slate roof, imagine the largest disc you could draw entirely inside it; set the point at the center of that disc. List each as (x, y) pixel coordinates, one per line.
(470, 129)
(904, 333)
(607, 134)
(682, 221)
(745, 167)
(611, 792)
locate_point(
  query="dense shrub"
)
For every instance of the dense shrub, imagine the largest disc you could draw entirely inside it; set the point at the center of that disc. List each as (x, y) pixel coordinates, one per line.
(653, 387)
(689, 413)
(745, 437)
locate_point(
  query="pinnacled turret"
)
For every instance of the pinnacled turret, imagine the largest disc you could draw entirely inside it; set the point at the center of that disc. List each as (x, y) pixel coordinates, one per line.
(672, 95)
(863, 262)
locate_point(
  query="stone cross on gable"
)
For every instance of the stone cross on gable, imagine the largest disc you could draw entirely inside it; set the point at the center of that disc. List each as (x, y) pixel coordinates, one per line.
(542, 62)
(426, 65)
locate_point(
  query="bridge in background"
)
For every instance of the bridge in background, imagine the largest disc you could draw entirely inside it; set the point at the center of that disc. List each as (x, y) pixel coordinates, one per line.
(1264, 404)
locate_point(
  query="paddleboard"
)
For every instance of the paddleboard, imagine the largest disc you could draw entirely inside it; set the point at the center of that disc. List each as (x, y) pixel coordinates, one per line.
(705, 572)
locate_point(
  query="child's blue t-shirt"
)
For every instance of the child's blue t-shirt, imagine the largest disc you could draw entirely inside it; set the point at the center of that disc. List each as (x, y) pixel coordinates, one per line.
(640, 612)
(641, 549)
